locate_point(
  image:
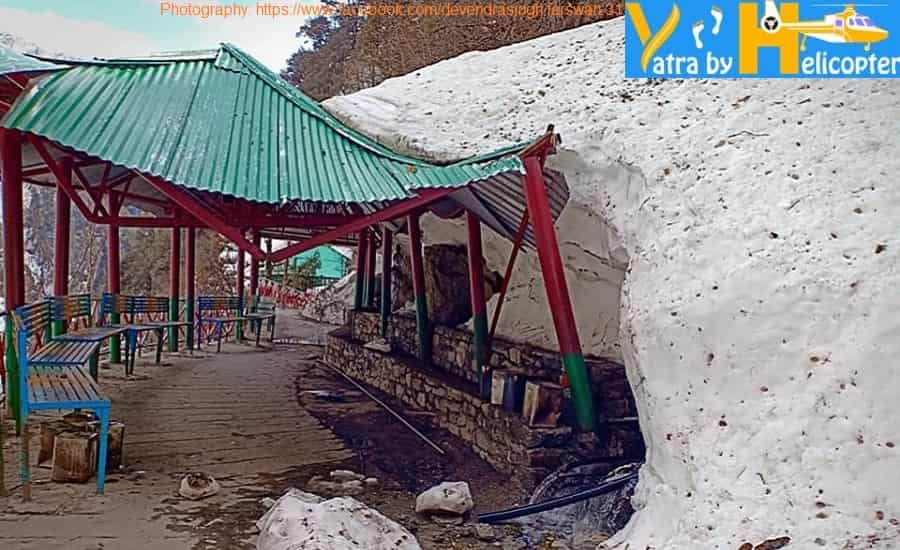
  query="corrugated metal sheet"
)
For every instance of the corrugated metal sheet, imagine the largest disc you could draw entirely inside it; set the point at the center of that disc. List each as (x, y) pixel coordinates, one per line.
(223, 123)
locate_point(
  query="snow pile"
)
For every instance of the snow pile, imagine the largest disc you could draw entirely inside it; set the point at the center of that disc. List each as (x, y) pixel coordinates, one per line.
(328, 303)
(758, 223)
(303, 521)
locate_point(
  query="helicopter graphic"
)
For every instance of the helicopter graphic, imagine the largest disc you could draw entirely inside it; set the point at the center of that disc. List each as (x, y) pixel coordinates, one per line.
(847, 27)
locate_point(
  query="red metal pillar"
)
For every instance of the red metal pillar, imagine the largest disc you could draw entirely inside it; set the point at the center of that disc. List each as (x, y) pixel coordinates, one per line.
(372, 250)
(61, 249)
(423, 328)
(113, 279)
(174, 286)
(387, 240)
(13, 255)
(254, 271)
(269, 260)
(190, 283)
(361, 255)
(479, 311)
(558, 293)
(239, 291)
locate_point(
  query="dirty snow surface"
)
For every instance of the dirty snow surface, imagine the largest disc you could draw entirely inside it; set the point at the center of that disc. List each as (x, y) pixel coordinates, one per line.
(303, 521)
(736, 243)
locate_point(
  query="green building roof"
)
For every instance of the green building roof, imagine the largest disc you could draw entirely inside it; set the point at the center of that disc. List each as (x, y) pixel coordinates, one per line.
(219, 121)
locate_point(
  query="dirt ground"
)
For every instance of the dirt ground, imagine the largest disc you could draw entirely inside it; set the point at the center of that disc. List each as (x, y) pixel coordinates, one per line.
(260, 421)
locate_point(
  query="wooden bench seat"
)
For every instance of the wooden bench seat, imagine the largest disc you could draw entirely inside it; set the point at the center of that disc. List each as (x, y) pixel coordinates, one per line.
(62, 352)
(93, 334)
(50, 387)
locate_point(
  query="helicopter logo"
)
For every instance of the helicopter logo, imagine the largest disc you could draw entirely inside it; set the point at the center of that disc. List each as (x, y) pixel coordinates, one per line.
(847, 27)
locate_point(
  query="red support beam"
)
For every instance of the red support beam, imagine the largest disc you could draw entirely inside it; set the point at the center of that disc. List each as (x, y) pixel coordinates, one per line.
(504, 286)
(13, 254)
(479, 310)
(254, 268)
(211, 218)
(239, 290)
(361, 255)
(63, 229)
(402, 208)
(190, 283)
(174, 286)
(114, 280)
(423, 325)
(372, 251)
(558, 292)
(63, 180)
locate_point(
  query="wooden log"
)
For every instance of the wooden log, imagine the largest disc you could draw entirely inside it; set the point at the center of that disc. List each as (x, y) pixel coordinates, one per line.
(74, 457)
(542, 404)
(115, 449)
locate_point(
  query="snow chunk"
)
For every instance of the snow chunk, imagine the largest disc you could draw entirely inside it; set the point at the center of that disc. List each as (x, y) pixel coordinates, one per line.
(303, 521)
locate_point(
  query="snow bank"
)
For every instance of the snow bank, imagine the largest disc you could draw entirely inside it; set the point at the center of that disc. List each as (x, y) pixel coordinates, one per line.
(758, 221)
(303, 521)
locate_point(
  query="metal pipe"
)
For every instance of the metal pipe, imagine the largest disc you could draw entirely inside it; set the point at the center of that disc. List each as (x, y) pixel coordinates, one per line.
(383, 405)
(254, 268)
(530, 509)
(239, 292)
(504, 287)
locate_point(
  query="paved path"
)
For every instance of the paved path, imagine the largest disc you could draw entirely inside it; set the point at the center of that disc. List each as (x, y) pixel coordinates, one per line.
(232, 415)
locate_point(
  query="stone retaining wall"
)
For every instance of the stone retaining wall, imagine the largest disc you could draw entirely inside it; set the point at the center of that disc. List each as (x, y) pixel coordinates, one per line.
(447, 389)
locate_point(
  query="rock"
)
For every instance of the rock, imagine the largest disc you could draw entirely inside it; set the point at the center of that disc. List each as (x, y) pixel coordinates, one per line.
(198, 486)
(267, 502)
(447, 520)
(446, 498)
(446, 282)
(136, 475)
(379, 344)
(300, 521)
(341, 476)
(484, 532)
(371, 481)
(320, 485)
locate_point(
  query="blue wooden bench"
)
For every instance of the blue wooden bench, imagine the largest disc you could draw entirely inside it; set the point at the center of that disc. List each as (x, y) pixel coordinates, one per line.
(262, 310)
(143, 314)
(219, 311)
(53, 377)
(79, 307)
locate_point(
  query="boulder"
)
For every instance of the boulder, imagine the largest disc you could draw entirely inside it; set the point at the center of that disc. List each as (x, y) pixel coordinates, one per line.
(446, 498)
(301, 521)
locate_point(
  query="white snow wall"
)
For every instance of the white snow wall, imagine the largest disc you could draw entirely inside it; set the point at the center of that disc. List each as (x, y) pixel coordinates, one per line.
(759, 313)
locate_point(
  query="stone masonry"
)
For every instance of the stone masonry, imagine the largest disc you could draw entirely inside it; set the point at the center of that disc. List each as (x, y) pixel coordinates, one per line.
(447, 389)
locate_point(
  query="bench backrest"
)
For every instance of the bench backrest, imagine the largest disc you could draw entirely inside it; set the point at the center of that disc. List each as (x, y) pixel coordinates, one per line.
(72, 306)
(133, 305)
(220, 303)
(28, 320)
(263, 304)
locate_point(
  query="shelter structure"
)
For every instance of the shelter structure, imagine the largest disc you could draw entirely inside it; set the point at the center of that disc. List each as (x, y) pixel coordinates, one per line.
(212, 139)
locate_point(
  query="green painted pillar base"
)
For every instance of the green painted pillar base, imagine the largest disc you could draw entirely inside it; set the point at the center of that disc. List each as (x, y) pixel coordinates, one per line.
(479, 340)
(423, 330)
(583, 398)
(189, 317)
(115, 343)
(173, 331)
(12, 377)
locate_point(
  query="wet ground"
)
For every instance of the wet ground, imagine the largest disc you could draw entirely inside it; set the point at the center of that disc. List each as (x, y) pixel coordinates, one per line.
(260, 421)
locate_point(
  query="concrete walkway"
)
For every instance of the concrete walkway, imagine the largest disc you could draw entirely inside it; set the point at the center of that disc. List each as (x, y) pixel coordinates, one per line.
(232, 415)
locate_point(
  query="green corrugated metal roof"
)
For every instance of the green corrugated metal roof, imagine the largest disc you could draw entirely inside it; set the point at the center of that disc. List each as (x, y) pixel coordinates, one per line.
(219, 121)
(12, 62)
